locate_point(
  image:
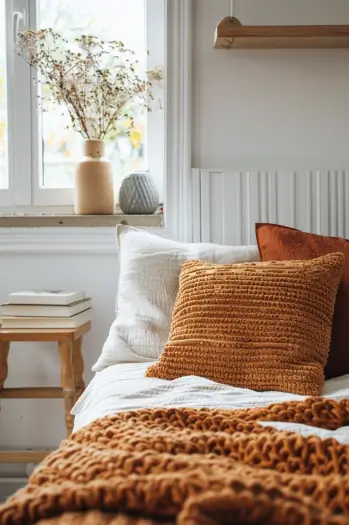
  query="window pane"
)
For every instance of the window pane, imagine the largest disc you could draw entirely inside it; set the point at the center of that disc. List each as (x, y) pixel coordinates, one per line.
(110, 20)
(3, 107)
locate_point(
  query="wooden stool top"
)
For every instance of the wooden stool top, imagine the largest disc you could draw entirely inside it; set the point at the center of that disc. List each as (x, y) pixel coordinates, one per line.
(45, 334)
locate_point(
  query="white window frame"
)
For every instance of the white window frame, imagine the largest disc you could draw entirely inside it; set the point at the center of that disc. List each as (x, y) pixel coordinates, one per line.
(18, 101)
(24, 135)
(179, 195)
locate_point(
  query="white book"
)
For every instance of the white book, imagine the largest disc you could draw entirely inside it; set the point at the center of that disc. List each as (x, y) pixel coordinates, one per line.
(38, 310)
(47, 322)
(46, 297)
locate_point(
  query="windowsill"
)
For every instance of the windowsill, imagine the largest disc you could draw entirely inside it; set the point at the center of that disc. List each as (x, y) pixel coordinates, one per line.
(79, 221)
(58, 231)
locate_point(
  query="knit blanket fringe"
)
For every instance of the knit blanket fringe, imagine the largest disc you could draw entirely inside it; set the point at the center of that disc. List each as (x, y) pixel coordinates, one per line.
(190, 467)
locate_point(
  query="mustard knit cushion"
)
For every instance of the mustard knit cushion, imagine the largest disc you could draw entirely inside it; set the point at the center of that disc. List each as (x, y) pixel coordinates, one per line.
(263, 326)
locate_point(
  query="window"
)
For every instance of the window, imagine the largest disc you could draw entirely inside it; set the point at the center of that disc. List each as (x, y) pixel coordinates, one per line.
(3, 104)
(37, 161)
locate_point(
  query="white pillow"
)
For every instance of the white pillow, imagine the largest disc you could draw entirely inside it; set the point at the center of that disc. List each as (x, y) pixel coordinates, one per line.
(148, 285)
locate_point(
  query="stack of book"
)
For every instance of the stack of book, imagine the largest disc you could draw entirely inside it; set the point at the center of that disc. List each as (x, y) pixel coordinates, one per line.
(46, 309)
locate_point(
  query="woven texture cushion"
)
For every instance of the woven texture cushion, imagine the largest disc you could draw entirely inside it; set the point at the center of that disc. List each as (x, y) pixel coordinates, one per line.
(263, 326)
(280, 243)
(148, 284)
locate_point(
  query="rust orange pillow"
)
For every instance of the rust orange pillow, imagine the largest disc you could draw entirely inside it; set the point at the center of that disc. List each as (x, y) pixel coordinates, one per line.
(263, 326)
(280, 243)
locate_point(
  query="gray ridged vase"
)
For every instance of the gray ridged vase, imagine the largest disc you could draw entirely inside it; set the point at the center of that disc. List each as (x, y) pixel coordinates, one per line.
(138, 194)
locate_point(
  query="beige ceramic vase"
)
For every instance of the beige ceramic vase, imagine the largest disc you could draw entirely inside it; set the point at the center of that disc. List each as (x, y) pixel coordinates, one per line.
(94, 190)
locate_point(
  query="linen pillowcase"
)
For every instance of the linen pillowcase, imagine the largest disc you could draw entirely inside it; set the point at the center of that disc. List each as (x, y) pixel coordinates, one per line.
(148, 284)
(262, 326)
(280, 243)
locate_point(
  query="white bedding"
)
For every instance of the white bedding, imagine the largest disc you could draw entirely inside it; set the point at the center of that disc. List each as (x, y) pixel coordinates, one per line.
(123, 387)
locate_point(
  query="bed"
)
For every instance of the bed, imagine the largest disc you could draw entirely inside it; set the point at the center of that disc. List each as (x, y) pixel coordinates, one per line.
(209, 405)
(124, 387)
(239, 459)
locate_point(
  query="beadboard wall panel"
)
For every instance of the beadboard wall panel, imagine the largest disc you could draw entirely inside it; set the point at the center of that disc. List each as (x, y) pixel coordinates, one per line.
(227, 204)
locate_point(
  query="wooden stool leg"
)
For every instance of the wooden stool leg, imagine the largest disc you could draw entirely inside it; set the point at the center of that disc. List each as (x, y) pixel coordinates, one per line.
(78, 364)
(67, 380)
(4, 350)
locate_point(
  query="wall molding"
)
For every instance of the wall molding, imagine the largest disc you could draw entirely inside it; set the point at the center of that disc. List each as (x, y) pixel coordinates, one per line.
(95, 241)
(178, 221)
(230, 202)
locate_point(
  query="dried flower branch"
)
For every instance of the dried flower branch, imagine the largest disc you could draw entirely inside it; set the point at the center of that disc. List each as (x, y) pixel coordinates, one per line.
(96, 80)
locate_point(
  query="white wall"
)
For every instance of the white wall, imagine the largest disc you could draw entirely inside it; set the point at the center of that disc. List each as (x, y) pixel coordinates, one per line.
(270, 109)
(40, 423)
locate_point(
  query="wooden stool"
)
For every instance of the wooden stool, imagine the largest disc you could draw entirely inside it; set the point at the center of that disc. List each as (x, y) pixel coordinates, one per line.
(72, 369)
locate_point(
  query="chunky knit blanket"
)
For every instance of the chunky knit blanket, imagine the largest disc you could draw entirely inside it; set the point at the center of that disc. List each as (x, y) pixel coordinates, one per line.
(193, 467)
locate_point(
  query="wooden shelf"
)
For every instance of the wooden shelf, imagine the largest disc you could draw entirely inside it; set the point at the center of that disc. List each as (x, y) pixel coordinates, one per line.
(32, 393)
(26, 456)
(230, 34)
(43, 335)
